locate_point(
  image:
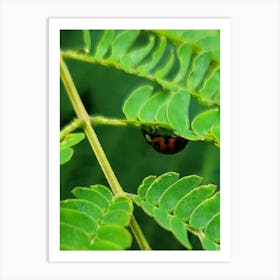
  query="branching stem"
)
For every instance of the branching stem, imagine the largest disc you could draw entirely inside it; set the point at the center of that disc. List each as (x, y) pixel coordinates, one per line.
(85, 119)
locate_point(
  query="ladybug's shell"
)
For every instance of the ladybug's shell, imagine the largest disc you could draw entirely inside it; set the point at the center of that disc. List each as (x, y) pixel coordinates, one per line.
(166, 144)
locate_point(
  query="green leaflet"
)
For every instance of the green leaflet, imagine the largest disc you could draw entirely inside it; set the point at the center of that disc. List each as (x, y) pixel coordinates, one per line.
(177, 190)
(145, 185)
(199, 70)
(184, 54)
(91, 195)
(150, 107)
(135, 101)
(70, 140)
(161, 115)
(156, 57)
(159, 185)
(180, 232)
(162, 217)
(123, 42)
(171, 201)
(88, 208)
(65, 155)
(95, 221)
(87, 40)
(104, 191)
(194, 36)
(208, 244)
(67, 242)
(212, 228)
(189, 202)
(79, 220)
(211, 87)
(133, 58)
(207, 123)
(202, 215)
(163, 71)
(178, 111)
(104, 44)
(215, 132)
(105, 245)
(114, 234)
(211, 44)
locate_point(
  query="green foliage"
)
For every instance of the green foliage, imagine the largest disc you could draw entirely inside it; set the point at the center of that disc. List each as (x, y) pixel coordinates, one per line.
(182, 206)
(70, 140)
(181, 67)
(95, 220)
(164, 79)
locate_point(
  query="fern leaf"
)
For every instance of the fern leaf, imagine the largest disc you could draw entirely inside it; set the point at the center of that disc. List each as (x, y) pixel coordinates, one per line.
(197, 52)
(169, 109)
(182, 206)
(95, 220)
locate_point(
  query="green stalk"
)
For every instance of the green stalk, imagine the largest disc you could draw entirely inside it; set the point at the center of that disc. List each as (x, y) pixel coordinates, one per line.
(89, 131)
(96, 146)
(75, 124)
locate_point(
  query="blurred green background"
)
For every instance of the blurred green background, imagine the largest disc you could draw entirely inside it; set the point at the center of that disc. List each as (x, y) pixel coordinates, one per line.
(103, 91)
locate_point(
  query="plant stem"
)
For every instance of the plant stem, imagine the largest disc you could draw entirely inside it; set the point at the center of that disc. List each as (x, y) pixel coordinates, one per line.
(96, 146)
(114, 64)
(70, 127)
(89, 131)
(137, 232)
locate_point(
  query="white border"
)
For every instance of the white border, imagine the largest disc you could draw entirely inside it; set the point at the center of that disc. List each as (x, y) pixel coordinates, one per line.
(55, 25)
(255, 158)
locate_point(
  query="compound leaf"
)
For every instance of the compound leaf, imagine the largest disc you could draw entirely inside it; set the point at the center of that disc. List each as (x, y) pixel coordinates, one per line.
(96, 220)
(171, 201)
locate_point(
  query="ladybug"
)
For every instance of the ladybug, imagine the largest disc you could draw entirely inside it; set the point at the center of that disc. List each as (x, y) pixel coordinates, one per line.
(166, 144)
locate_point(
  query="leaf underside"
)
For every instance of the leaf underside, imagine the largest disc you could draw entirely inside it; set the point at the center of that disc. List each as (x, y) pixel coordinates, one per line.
(185, 63)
